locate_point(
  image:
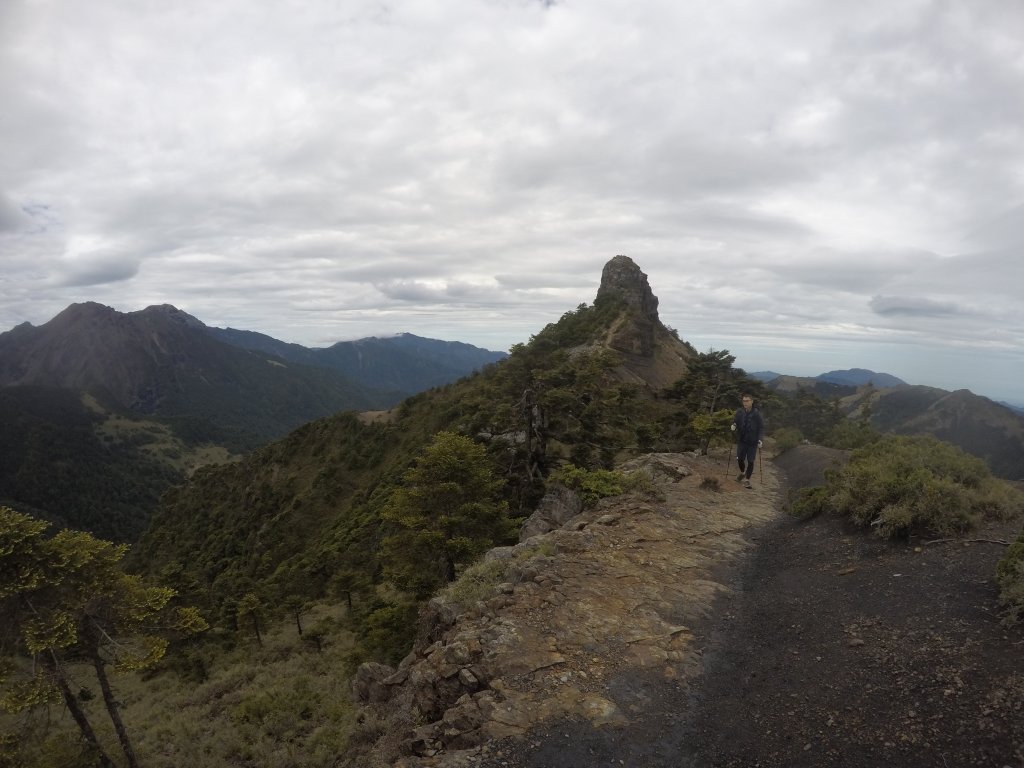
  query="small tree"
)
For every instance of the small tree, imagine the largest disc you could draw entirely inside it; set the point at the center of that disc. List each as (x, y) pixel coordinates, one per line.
(711, 386)
(250, 612)
(66, 597)
(448, 512)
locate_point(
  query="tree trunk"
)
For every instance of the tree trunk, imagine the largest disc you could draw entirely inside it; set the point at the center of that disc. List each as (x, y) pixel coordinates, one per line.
(112, 708)
(79, 716)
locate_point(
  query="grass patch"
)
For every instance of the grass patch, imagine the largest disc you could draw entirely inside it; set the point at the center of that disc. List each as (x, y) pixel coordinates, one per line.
(282, 704)
(711, 483)
(481, 579)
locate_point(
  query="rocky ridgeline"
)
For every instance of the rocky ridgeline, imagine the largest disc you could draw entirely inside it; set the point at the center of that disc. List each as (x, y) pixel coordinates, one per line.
(586, 595)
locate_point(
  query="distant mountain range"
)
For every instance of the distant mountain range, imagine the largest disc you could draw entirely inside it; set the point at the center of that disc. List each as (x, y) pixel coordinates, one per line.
(231, 387)
(403, 364)
(161, 362)
(852, 377)
(155, 393)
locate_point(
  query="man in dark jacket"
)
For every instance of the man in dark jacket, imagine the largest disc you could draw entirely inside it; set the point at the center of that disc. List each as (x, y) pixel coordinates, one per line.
(749, 428)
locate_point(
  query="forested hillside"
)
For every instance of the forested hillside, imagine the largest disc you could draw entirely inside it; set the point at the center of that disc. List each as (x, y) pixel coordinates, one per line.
(303, 517)
(160, 362)
(58, 462)
(103, 411)
(400, 365)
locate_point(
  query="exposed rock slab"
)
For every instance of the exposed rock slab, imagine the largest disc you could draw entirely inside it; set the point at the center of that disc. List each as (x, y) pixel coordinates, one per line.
(614, 589)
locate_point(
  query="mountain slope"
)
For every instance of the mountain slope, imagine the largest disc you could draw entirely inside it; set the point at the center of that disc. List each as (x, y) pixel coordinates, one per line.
(62, 461)
(976, 424)
(402, 364)
(161, 362)
(302, 515)
(857, 377)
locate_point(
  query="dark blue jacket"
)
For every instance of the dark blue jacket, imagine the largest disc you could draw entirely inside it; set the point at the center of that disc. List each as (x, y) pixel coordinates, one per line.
(749, 426)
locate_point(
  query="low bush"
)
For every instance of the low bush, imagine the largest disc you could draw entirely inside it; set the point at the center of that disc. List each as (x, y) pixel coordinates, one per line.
(903, 485)
(1010, 578)
(848, 435)
(592, 485)
(477, 582)
(809, 502)
(786, 438)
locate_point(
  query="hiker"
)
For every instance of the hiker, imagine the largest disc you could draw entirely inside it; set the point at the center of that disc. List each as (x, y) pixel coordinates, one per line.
(749, 428)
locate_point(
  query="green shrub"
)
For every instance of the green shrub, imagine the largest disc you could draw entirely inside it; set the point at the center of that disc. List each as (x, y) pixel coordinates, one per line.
(385, 633)
(477, 582)
(809, 502)
(592, 485)
(1010, 578)
(786, 438)
(902, 485)
(848, 435)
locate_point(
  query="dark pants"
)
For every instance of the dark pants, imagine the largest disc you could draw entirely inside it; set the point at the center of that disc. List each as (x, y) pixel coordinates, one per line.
(745, 457)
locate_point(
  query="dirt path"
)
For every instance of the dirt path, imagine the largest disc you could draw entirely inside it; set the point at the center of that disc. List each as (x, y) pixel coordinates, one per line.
(833, 649)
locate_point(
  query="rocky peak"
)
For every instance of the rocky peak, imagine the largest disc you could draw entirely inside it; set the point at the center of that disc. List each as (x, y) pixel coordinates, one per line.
(622, 278)
(651, 352)
(171, 312)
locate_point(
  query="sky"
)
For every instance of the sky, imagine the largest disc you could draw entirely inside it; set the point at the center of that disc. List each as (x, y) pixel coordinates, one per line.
(812, 186)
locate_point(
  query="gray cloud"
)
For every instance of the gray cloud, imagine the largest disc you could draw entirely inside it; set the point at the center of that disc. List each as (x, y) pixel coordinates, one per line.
(913, 306)
(795, 177)
(96, 269)
(12, 218)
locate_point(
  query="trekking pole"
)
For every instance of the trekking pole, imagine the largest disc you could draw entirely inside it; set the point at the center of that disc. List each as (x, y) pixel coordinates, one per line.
(728, 459)
(760, 464)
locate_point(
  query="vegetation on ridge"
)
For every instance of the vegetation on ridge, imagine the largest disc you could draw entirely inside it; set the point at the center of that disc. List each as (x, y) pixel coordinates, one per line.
(902, 486)
(306, 517)
(1010, 579)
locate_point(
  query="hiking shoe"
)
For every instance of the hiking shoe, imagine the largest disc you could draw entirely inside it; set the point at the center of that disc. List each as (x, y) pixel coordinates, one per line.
(739, 478)
(746, 483)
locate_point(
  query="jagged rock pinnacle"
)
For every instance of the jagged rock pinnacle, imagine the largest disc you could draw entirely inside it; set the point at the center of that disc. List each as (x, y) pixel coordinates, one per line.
(623, 279)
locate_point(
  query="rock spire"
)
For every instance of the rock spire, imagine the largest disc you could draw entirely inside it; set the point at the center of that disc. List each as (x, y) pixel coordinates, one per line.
(622, 278)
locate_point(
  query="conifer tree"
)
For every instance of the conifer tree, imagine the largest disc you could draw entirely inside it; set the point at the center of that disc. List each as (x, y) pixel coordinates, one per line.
(66, 598)
(250, 611)
(447, 513)
(708, 393)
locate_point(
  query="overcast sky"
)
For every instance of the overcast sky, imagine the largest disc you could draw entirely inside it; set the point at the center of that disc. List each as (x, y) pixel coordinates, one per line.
(809, 185)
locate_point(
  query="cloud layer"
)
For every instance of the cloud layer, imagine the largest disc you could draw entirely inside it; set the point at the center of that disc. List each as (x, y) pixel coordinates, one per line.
(801, 181)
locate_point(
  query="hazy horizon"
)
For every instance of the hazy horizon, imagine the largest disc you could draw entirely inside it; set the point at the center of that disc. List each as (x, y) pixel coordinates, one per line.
(809, 372)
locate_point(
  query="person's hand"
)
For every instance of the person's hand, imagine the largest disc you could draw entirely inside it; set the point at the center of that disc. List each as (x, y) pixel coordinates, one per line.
(732, 427)
(758, 443)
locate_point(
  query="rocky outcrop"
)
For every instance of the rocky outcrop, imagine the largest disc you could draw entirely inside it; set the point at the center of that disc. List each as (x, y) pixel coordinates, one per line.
(651, 353)
(614, 589)
(622, 279)
(558, 507)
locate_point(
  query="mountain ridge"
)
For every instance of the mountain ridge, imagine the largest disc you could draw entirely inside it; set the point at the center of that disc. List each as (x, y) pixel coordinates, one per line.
(159, 361)
(401, 364)
(149, 396)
